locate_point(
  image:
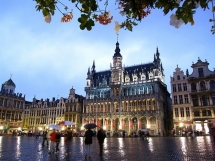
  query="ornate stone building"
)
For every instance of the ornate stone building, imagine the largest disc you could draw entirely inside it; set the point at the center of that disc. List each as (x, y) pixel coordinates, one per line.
(199, 106)
(73, 111)
(182, 112)
(128, 98)
(11, 107)
(41, 113)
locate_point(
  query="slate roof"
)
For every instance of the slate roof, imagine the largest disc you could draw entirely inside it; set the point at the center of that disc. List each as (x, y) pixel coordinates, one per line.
(142, 68)
(9, 83)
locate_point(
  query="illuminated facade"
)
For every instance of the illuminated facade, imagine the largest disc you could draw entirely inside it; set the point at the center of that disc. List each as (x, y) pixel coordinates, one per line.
(73, 111)
(11, 107)
(39, 114)
(128, 98)
(193, 107)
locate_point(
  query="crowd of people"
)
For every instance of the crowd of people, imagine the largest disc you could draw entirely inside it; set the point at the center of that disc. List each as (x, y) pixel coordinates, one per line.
(52, 140)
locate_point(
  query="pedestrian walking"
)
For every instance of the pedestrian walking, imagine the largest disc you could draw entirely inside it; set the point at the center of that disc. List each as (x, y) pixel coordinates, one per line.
(123, 134)
(101, 135)
(68, 140)
(45, 138)
(213, 133)
(88, 142)
(53, 141)
(57, 140)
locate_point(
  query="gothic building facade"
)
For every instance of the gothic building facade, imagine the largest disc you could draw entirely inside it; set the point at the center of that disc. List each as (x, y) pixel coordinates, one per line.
(128, 98)
(193, 98)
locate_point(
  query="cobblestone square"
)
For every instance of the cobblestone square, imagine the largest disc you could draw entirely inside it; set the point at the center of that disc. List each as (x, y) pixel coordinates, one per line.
(23, 148)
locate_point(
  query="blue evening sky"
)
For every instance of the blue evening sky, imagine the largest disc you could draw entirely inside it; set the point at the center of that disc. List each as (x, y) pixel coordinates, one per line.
(46, 60)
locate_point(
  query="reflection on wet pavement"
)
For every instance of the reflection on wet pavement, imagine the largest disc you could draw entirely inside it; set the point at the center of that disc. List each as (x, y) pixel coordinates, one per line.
(23, 148)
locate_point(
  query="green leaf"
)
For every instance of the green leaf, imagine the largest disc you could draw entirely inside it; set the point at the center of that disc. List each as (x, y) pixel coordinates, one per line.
(45, 11)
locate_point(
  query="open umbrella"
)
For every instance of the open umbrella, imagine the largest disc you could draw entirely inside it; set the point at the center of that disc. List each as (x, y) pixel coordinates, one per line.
(144, 130)
(66, 123)
(90, 126)
(53, 126)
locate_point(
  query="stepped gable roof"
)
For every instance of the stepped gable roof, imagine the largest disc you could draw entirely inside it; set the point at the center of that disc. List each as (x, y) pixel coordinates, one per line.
(9, 83)
(98, 76)
(142, 68)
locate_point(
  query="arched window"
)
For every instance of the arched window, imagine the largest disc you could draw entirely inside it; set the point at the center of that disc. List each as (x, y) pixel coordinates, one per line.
(146, 90)
(212, 84)
(178, 77)
(141, 90)
(202, 85)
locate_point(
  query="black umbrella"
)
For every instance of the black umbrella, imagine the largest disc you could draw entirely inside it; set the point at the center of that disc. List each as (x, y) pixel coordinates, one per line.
(90, 126)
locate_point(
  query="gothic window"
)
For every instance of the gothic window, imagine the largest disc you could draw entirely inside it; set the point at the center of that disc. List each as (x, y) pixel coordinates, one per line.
(201, 72)
(146, 90)
(187, 112)
(179, 87)
(212, 84)
(178, 77)
(193, 86)
(141, 90)
(202, 85)
(182, 112)
(195, 100)
(150, 89)
(174, 87)
(185, 86)
(175, 100)
(176, 112)
(133, 91)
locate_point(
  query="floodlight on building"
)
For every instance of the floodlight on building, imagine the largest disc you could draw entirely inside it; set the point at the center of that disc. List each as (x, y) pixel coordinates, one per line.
(181, 124)
(104, 127)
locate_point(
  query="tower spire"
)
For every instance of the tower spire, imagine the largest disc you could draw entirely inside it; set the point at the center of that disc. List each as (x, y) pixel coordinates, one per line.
(158, 54)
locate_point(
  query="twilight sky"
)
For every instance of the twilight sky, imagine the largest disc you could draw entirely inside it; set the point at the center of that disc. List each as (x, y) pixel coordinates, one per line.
(46, 60)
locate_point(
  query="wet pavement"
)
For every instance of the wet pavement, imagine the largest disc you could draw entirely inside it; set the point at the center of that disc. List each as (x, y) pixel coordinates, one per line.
(23, 148)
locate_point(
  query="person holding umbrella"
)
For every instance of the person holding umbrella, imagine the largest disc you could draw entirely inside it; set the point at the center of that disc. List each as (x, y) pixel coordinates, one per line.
(88, 141)
(68, 140)
(101, 137)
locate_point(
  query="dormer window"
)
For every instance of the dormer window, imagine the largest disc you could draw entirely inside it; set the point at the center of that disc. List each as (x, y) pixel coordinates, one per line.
(134, 78)
(178, 77)
(201, 72)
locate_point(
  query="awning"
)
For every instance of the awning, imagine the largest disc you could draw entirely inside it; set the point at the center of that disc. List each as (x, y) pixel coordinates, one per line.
(201, 119)
(14, 127)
